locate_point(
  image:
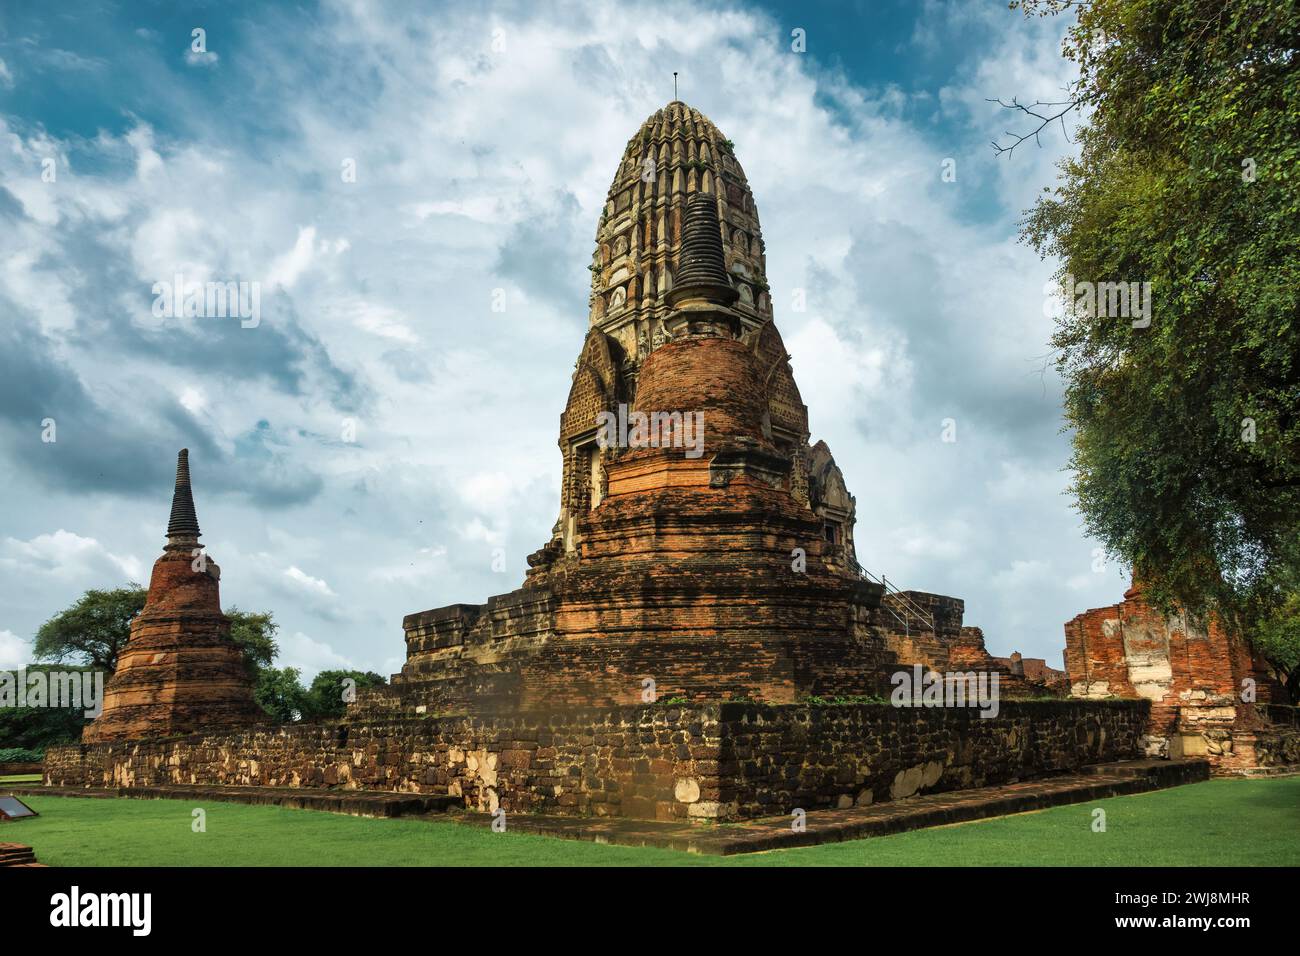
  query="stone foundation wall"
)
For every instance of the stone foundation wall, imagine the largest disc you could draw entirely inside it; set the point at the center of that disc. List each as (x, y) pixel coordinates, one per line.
(702, 761)
(1268, 744)
(817, 757)
(15, 768)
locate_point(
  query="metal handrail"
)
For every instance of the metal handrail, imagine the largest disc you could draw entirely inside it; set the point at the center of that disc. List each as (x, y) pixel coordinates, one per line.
(910, 606)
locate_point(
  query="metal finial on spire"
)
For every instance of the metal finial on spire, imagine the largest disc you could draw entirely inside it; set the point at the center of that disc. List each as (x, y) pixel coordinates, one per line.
(184, 522)
(674, 85)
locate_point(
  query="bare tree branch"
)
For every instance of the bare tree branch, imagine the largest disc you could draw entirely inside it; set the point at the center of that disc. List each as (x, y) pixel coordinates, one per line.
(1045, 119)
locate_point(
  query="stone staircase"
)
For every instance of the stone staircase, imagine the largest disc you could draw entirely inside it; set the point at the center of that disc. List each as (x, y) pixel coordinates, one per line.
(17, 854)
(1158, 774)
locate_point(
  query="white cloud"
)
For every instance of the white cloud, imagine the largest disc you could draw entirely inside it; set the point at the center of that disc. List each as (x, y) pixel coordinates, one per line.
(64, 554)
(193, 399)
(205, 58)
(308, 583)
(380, 320)
(310, 656)
(423, 566)
(286, 269)
(14, 651)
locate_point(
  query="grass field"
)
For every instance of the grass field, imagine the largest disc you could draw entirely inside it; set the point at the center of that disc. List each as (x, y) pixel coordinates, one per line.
(1221, 822)
(21, 778)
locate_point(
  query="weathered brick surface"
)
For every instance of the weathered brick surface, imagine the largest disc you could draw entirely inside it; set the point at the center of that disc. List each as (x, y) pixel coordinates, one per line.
(828, 756)
(710, 761)
(1193, 675)
(179, 671)
(726, 574)
(685, 575)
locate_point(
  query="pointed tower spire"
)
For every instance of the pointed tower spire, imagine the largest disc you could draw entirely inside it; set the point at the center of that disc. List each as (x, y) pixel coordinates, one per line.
(179, 673)
(702, 271)
(184, 522)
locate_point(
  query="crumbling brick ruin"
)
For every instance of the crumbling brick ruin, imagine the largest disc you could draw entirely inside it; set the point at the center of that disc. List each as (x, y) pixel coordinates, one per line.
(179, 672)
(717, 572)
(711, 761)
(1209, 695)
(1033, 669)
(696, 639)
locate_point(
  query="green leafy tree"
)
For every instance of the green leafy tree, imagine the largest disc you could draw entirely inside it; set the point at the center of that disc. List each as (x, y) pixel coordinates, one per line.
(1277, 637)
(325, 698)
(1186, 432)
(280, 693)
(36, 728)
(94, 630)
(1274, 615)
(255, 634)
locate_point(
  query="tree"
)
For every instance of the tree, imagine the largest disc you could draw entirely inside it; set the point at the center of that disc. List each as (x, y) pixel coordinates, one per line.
(95, 629)
(325, 698)
(1186, 429)
(279, 692)
(1277, 637)
(1274, 617)
(36, 728)
(255, 634)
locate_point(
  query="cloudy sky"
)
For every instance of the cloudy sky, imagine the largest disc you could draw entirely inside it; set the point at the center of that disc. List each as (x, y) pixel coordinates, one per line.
(484, 137)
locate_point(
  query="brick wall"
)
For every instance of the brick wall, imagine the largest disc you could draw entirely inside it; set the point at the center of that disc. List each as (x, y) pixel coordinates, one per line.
(1193, 675)
(703, 761)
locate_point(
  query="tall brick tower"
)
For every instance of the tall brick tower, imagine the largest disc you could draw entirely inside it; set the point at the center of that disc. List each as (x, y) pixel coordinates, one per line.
(179, 672)
(717, 563)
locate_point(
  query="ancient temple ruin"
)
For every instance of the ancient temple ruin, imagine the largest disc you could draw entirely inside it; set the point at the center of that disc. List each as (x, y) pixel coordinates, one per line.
(694, 640)
(1210, 696)
(723, 571)
(179, 672)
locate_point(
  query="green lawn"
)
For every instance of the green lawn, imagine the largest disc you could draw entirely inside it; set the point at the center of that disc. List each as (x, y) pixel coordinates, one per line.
(21, 778)
(1222, 822)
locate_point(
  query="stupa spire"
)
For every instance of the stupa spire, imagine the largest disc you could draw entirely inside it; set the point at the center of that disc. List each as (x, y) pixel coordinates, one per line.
(184, 522)
(702, 272)
(180, 673)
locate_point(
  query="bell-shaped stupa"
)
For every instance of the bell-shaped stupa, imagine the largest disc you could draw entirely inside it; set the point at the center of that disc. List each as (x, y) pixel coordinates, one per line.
(180, 672)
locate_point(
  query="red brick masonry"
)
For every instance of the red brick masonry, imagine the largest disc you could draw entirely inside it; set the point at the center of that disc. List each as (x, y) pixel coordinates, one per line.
(1209, 696)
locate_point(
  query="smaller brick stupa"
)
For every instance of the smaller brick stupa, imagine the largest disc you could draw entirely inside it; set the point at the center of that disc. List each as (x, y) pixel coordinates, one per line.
(180, 672)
